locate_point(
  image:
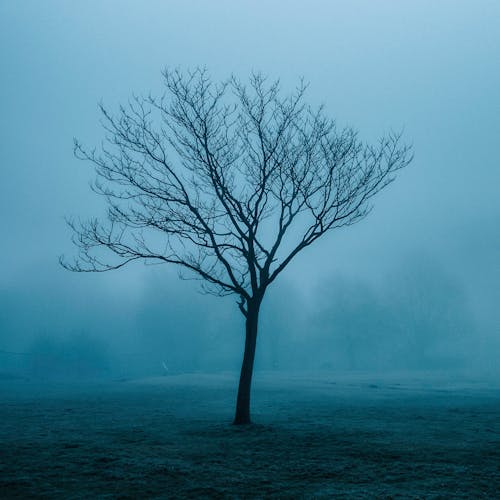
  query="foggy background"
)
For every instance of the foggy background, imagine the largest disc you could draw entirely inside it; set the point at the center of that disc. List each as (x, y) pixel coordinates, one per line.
(414, 286)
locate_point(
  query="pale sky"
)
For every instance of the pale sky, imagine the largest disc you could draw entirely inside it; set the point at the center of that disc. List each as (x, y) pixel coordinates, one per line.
(431, 68)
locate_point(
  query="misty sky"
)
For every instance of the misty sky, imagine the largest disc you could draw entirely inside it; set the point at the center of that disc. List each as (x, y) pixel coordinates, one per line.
(433, 239)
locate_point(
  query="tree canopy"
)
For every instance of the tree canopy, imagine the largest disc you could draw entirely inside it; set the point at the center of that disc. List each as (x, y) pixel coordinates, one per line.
(226, 180)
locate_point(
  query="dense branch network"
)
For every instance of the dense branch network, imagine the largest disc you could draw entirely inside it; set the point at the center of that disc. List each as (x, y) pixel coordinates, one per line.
(228, 181)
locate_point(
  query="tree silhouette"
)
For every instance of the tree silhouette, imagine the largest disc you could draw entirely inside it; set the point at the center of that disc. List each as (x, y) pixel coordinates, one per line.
(229, 182)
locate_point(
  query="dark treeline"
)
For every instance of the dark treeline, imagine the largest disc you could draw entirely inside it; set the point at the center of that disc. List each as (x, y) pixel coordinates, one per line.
(419, 317)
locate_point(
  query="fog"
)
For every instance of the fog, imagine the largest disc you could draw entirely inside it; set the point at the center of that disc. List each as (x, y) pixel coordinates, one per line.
(415, 286)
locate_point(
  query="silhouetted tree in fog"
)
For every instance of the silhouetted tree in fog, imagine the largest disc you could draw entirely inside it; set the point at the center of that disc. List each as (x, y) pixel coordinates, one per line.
(229, 182)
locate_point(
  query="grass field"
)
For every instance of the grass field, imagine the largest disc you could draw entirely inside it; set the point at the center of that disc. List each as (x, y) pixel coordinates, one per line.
(315, 435)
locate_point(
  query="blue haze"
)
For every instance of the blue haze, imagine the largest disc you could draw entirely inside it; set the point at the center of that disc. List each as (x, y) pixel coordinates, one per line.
(414, 286)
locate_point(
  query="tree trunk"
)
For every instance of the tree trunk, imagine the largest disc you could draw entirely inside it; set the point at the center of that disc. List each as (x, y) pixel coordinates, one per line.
(243, 401)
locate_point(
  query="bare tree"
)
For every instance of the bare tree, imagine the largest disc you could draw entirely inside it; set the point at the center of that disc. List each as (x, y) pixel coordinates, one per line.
(229, 182)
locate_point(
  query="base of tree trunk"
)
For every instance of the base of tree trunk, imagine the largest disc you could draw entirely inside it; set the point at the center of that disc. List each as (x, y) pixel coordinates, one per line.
(242, 421)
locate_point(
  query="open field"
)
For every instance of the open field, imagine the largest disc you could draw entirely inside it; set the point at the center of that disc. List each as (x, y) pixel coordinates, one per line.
(315, 435)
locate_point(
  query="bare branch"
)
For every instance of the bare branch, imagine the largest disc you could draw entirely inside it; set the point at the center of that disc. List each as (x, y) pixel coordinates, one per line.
(227, 181)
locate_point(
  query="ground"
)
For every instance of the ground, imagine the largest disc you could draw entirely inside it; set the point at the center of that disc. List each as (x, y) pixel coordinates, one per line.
(317, 435)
